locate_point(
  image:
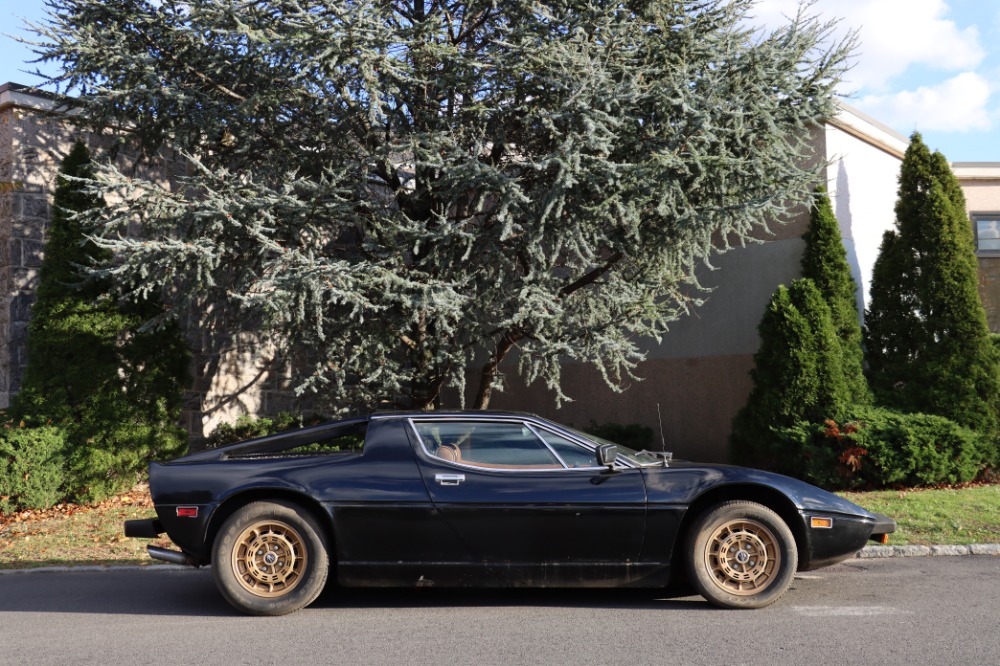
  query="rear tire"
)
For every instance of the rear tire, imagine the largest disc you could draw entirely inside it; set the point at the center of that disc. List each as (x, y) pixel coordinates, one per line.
(270, 558)
(741, 555)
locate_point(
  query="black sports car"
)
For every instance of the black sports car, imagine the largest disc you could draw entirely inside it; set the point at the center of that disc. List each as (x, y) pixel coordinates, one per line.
(486, 499)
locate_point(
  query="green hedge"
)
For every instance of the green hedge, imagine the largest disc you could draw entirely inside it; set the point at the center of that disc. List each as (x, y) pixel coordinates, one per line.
(31, 467)
(878, 448)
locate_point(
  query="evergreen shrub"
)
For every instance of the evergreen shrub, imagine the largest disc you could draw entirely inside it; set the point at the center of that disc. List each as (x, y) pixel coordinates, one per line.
(928, 344)
(879, 448)
(97, 369)
(31, 467)
(798, 375)
(825, 263)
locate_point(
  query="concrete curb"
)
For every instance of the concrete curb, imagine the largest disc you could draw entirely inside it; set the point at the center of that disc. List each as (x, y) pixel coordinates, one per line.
(879, 552)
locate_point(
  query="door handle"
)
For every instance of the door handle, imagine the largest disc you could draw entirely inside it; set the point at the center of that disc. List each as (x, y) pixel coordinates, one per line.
(449, 479)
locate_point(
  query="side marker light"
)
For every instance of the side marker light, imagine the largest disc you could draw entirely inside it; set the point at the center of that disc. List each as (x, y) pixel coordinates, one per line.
(822, 523)
(187, 512)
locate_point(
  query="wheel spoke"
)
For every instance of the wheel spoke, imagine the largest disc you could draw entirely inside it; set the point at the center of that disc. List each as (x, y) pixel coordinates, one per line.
(268, 558)
(742, 556)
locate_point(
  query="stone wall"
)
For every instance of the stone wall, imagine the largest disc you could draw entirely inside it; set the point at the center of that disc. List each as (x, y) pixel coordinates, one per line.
(32, 145)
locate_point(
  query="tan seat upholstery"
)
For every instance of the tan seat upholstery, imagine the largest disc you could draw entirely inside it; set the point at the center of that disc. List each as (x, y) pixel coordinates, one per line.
(449, 452)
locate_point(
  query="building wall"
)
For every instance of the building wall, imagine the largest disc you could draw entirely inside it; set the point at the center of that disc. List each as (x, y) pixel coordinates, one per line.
(31, 147)
(981, 185)
(863, 182)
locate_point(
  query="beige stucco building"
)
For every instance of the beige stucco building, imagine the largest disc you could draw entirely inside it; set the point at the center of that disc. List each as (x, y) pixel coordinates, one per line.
(697, 379)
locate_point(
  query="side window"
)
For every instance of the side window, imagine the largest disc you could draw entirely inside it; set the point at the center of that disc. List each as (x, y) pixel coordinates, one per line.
(571, 453)
(488, 445)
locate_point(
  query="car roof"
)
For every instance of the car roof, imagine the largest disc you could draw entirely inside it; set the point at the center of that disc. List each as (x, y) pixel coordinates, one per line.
(469, 413)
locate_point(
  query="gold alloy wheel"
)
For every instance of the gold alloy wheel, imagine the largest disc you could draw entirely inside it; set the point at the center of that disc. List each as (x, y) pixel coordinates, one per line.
(269, 558)
(743, 557)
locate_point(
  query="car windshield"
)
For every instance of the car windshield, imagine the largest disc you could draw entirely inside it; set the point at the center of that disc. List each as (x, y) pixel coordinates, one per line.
(641, 458)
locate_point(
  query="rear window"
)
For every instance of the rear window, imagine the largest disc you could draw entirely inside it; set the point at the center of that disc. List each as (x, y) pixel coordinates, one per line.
(317, 441)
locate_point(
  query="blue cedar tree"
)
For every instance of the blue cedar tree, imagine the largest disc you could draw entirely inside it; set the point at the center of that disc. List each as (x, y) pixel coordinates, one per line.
(403, 190)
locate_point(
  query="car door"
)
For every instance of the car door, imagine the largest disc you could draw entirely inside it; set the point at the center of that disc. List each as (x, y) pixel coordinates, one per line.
(529, 504)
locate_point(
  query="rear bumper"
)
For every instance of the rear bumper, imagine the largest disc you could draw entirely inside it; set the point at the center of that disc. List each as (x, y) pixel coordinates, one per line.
(144, 529)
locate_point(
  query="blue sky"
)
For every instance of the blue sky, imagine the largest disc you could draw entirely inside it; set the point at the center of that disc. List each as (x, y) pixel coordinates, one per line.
(927, 65)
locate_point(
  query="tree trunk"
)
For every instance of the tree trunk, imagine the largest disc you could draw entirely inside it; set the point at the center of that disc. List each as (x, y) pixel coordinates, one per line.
(489, 372)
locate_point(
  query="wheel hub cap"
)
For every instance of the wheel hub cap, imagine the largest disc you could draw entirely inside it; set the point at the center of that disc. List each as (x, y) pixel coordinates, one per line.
(742, 557)
(269, 559)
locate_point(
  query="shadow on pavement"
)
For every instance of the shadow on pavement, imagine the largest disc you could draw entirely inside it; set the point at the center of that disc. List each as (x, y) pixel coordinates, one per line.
(177, 591)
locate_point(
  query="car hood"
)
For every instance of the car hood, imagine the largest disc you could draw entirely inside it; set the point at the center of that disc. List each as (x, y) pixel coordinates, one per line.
(700, 477)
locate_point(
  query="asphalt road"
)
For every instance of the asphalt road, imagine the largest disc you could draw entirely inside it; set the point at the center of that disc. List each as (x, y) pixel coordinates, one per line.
(929, 610)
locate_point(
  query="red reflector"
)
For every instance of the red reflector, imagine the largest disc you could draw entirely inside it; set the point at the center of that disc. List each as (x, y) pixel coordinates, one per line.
(187, 512)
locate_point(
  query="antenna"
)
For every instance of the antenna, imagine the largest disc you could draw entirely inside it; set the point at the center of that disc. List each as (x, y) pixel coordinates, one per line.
(663, 437)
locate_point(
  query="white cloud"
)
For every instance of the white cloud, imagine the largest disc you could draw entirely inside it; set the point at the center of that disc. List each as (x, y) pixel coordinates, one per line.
(959, 104)
(894, 35)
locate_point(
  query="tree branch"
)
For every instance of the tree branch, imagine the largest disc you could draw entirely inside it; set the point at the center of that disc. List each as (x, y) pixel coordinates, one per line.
(591, 276)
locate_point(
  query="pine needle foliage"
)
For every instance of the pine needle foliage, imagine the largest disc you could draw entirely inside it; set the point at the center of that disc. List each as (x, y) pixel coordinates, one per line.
(404, 189)
(111, 387)
(825, 263)
(929, 346)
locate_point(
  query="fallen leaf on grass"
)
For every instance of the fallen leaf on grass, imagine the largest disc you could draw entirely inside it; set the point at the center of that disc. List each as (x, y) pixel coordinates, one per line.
(137, 497)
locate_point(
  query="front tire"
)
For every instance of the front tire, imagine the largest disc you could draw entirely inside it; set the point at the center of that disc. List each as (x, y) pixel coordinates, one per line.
(741, 555)
(270, 558)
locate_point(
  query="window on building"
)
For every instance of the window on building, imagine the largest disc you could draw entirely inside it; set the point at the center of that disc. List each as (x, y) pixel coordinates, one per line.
(987, 228)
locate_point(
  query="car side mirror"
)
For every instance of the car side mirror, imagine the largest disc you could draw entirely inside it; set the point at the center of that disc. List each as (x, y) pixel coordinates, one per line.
(607, 454)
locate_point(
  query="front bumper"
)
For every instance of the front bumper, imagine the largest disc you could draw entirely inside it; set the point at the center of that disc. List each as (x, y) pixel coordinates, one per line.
(845, 536)
(884, 525)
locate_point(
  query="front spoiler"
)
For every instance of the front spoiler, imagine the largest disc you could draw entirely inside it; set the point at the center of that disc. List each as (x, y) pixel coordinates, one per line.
(884, 525)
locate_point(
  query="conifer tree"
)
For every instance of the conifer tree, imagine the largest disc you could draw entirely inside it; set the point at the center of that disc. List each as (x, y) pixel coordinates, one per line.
(928, 343)
(405, 190)
(798, 373)
(825, 263)
(114, 388)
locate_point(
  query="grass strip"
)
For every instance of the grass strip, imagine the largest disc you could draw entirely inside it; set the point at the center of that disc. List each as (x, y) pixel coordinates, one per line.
(926, 517)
